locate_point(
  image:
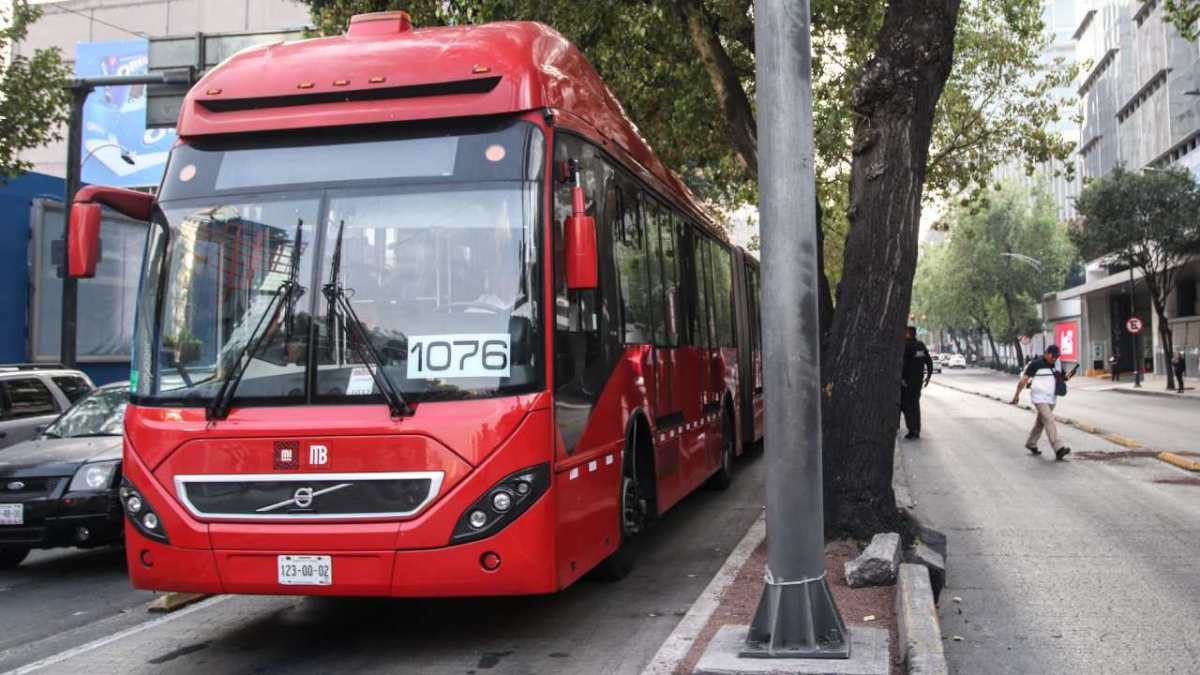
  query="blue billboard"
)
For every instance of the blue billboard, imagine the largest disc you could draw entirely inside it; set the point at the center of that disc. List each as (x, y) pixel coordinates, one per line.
(117, 147)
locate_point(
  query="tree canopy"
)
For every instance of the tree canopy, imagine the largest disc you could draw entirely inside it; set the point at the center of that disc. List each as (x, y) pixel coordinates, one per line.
(1185, 16)
(684, 70)
(1149, 221)
(995, 267)
(33, 98)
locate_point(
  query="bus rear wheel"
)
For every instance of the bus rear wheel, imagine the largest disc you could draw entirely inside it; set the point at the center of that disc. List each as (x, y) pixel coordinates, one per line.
(632, 509)
(723, 478)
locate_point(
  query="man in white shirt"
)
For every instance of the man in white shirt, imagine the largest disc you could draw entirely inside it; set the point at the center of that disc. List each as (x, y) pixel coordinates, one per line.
(1042, 377)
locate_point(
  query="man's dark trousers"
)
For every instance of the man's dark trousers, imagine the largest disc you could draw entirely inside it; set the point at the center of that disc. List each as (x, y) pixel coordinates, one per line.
(910, 404)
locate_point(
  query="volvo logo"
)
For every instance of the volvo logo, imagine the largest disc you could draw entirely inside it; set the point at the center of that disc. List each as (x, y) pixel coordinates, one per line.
(16, 485)
(303, 497)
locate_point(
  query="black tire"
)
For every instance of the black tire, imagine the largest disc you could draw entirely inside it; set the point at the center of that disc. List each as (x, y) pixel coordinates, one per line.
(723, 478)
(10, 557)
(632, 512)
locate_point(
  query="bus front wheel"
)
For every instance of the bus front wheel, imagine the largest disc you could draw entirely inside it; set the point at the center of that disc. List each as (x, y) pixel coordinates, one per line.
(632, 509)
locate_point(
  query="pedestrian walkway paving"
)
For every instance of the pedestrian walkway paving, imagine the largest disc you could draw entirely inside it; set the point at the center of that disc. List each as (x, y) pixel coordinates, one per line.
(1080, 566)
(1152, 385)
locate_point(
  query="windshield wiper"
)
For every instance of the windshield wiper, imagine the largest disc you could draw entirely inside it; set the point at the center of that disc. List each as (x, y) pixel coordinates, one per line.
(218, 408)
(335, 295)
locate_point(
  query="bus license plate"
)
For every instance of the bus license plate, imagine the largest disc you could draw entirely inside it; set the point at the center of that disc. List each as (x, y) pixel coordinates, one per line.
(305, 570)
(12, 514)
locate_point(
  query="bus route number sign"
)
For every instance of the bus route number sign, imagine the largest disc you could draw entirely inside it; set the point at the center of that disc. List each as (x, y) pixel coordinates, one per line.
(437, 357)
(1134, 325)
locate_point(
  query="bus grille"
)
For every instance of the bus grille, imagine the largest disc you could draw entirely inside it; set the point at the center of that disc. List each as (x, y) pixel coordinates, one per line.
(348, 496)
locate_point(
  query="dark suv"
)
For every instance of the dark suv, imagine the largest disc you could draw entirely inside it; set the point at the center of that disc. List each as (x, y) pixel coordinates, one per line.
(60, 489)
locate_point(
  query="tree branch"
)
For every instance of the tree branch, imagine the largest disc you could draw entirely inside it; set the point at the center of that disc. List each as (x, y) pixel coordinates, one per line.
(735, 105)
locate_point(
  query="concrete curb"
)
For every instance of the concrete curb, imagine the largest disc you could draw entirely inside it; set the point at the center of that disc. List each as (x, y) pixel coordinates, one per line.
(917, 623)
(169, 602)
(1151, 392)
(677, 645)
(1163, 456)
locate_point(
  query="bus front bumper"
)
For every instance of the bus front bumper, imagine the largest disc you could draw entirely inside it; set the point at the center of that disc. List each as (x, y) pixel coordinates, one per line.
(524, 550)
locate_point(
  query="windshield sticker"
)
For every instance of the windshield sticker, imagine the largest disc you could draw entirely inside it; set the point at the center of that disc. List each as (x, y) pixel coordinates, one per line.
(361, 383)
(455, 356)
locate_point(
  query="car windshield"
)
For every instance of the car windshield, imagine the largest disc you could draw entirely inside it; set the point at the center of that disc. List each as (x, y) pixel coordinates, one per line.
(101, 413)
(420, 251)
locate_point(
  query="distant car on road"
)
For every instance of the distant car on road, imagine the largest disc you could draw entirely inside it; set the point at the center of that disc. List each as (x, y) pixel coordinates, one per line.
(60, 489)
(957, 361)
(937, 362)
(32, 395)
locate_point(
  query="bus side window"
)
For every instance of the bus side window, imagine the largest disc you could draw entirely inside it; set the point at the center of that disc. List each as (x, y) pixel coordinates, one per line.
(699, 282)
(670, 263)
(633, 280)
(577, 338)
(650, 217)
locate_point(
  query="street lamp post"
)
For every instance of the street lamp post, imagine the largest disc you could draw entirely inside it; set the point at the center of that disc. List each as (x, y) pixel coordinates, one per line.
(796, 615)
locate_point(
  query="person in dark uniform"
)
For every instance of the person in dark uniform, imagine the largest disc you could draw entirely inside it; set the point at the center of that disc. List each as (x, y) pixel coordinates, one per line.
(918, 368)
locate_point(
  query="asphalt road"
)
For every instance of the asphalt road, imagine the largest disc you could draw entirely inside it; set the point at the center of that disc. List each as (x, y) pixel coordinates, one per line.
(1160, 422)
(592, 627)
(1082, 566)
(59, 591)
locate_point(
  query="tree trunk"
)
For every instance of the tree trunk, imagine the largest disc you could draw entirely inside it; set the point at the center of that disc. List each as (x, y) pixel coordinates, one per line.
(992, 343)
(894, 104)
(1168, 345)
(957, 344)
(1020, 352)
(824, 292)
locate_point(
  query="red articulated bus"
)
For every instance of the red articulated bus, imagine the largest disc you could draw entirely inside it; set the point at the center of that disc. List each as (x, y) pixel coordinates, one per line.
(421, 315)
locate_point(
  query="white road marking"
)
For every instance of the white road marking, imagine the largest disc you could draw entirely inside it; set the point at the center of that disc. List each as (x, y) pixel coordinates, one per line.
(679, 642)
(120, 635)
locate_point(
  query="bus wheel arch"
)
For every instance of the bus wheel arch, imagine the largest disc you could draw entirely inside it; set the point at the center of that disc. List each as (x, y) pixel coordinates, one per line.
(634, 498)
(723, 477)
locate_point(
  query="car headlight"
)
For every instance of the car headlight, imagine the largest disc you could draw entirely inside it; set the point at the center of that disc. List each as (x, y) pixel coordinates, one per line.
(95, 476)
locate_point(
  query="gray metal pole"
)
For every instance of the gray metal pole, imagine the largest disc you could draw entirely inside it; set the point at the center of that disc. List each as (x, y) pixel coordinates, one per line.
(70, 286)
(796, 615)
(1137, 343)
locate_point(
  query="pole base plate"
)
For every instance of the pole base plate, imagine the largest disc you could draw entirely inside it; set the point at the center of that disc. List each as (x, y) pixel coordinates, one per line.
(797, 620)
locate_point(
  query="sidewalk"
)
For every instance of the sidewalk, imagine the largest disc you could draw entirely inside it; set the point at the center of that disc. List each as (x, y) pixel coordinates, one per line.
(1152, 385)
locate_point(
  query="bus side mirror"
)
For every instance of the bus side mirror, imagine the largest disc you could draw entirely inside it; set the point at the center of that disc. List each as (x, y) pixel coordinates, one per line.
(83, 234)
(83, 242)
(580, 231)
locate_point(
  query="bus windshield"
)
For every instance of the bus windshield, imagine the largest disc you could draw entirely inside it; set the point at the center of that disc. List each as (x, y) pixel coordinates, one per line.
(313, 263)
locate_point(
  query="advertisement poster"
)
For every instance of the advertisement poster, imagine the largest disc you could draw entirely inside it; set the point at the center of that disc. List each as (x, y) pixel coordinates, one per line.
(1066, 336)
(117, 147)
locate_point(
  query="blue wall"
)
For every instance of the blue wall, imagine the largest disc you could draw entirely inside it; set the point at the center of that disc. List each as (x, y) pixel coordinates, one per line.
(15, 201)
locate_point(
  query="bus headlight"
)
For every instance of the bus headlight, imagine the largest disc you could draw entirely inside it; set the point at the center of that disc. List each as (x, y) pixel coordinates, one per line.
(501, 504)
(140, 514)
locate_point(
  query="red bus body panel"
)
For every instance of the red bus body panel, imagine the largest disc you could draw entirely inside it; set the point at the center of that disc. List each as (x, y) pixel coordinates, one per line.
(575, 524)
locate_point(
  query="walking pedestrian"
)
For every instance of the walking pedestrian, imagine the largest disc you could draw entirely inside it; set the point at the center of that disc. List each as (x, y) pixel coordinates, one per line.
(1045, 379)
(1179, 366)
(1114, 365)
(915, 374)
